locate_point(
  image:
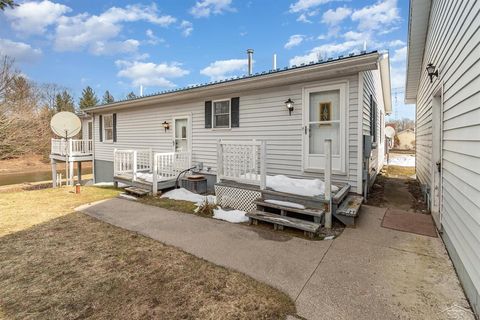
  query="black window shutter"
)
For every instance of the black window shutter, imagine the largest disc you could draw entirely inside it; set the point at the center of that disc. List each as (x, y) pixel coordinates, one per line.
(208, 114)
(114, 120)
(100, 128)
(235, 112)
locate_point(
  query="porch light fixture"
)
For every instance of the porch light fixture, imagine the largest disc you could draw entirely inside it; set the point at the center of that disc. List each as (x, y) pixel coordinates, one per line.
(289, 104)
(431, 70)
(166, 125)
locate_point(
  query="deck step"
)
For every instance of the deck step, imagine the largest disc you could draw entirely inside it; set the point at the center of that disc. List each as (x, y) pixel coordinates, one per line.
(276, 219)
(309, 212)
(137, 191)
(350, 206)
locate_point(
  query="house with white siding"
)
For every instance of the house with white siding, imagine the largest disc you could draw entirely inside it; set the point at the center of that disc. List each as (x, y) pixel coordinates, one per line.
(275, 122)
(443, 80)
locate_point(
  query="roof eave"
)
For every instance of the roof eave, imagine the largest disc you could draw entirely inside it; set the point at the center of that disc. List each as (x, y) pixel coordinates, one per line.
(418, 21)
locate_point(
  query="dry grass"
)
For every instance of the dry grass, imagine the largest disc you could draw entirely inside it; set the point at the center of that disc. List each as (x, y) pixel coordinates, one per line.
(71, 266)
(399, 171)
(170, 204)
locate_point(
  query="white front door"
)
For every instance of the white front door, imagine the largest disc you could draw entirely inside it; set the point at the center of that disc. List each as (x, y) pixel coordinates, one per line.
(436, 162)
(182, 133)
(324, 118)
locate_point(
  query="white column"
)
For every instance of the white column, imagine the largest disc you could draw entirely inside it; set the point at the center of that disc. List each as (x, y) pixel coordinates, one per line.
(263, 167)
(328, 182)
(154, 178)
(54, 173)
(70, 172)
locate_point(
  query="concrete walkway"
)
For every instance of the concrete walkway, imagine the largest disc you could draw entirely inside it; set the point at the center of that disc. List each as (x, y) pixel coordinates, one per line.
(367, 273)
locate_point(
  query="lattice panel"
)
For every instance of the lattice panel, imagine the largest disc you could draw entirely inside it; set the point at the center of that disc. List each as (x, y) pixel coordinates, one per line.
(236, 198)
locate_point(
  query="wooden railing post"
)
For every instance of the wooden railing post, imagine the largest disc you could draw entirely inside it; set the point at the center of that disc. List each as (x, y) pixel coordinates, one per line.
(154, 177)
(134, 166)
(328, 182)
(70, 146)
(219, 160)
(263, 167)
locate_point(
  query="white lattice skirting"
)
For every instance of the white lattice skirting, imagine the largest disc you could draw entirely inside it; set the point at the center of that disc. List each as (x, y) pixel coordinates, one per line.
(236, 198)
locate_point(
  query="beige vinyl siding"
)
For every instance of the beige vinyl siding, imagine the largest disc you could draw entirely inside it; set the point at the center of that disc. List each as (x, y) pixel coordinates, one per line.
(453, 46)
(263, 116)
(373, 86)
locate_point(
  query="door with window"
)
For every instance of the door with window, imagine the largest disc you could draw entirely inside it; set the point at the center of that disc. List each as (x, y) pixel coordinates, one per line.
(181, 133)
(324, 118)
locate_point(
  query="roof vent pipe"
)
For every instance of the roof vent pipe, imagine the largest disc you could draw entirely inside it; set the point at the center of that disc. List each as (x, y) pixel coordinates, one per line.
(274, 61)
(250, 61)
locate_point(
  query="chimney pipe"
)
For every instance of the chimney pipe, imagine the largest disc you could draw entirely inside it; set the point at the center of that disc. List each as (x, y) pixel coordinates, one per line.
(250, 61)
(274, 61)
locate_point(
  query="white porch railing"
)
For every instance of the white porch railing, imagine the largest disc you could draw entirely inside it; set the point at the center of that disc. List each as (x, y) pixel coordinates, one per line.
(128, 163)
(71, 147)
(242, 161)
(169, 165)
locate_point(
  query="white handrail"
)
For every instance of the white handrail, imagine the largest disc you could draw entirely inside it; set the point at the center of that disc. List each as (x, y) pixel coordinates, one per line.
(129, 163)
(71, 147)
(242, 161)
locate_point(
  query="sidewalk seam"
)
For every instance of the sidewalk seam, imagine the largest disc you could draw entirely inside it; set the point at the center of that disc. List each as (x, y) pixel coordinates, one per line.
(313, 272)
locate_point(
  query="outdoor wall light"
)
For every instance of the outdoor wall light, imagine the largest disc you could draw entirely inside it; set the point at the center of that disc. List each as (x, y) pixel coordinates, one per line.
(431, 70)
(166, 125)
(289, 104)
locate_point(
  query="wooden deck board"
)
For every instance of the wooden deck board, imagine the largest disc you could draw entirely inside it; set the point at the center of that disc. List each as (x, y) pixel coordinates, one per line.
(285, 221)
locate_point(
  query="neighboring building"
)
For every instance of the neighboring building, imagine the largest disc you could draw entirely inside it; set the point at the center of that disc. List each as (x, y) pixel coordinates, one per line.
(405, 140)
(344, 99)
(446, 34)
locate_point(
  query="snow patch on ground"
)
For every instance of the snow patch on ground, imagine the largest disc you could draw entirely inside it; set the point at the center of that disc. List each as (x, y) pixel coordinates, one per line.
(402, 161)
(185, 195)
(233, 216)
(286, 204)
(303, 187)
(110, 184)
(147, 176)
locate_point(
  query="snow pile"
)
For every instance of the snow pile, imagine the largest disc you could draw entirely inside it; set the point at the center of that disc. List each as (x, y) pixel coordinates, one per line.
(110, 184)
(303, 187)
(233, 216)
(185, 195)
(286, 204)
(403, 161)
(147, 176)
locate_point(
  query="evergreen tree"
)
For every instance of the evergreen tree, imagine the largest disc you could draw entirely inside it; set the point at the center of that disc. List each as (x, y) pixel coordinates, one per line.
(64, 102)
(107, 98)
(7, 3)
(88, 99)
(131, 95)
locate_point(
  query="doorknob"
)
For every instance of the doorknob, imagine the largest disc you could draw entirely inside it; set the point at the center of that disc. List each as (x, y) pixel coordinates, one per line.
(439, 166)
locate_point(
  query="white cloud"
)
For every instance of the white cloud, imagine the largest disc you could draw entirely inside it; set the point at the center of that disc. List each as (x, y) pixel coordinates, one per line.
(303, 18)
(353, 35)
(377, 16)
(294, 41)
(305, 5)
(152, 38)
(187, 28)
(222, 69)
(204, 8)
(112, 47)
(21, 52)
(400, 55)
(34, 17)
(85, 31)
(149, 73)
(334, 17)
(327, 50)
(396, 43)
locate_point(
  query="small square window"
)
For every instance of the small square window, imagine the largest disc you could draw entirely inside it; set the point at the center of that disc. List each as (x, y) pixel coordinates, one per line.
(221, 114)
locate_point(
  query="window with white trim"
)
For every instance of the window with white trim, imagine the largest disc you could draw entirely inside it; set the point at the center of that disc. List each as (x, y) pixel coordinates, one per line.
(108, 128)
(221, 114)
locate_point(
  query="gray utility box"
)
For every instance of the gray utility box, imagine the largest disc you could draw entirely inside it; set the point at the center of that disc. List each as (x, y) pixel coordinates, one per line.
(198, 185)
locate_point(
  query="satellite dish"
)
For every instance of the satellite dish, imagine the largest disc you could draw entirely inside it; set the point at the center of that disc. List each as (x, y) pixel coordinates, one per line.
(65, 124)
(389, 132)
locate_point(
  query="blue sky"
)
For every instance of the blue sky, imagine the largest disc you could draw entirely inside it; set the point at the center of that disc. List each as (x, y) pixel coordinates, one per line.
(120, 45)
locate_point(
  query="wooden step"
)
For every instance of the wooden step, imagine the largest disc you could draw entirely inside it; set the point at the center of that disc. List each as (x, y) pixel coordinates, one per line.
(137, 191)
(350, 206)
(309, 212)
(276, 219)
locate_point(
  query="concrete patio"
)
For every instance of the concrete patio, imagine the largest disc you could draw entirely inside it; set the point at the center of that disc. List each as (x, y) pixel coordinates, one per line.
(366, 273)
